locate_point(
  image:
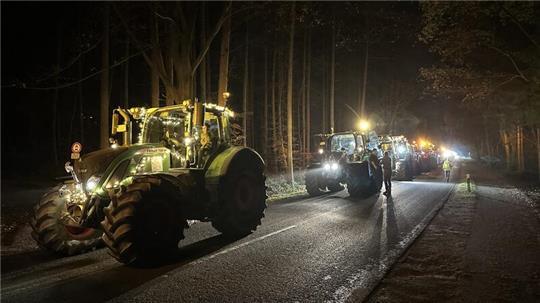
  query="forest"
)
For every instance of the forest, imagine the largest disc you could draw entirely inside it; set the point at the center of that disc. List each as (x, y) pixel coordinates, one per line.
(462, 74)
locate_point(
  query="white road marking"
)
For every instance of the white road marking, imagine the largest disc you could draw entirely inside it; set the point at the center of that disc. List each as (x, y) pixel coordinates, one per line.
(243, 244)
(367, 277)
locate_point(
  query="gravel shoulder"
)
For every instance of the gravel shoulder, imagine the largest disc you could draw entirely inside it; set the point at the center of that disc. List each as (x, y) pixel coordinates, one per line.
(483, 246)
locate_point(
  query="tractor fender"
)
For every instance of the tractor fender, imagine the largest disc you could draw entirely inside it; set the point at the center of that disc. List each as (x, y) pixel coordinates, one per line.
(224, 162)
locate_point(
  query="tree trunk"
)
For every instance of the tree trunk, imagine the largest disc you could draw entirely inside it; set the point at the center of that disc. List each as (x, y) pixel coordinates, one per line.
(323, 89)
(538, 150)
(290, 96)
(486, 136)
(518, 148)
(282, 159)
(246, 84)
(506, 144)
(81, 101)
(364, 84)
(202, 70)
(265, 105)
(522, 156)
(224, 61)
(302, 125)
(79, 85)
(308, 95)
(332, 76)
(104, 93)
(274, 128)
(126, 76)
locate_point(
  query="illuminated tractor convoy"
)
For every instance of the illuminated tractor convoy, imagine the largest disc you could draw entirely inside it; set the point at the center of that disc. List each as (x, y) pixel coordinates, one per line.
(343, 158)
(172, 164)
(138, 195)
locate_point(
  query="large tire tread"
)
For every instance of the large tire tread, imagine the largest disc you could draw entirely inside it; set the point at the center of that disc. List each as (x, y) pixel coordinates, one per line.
(312, 184)
(125, 241)
(231, 222)
(50, 233)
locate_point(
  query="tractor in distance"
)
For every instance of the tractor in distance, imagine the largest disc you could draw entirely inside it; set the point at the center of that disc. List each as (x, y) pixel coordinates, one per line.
(404, 163)
(427, 155)
(343, 159)
(138, 195)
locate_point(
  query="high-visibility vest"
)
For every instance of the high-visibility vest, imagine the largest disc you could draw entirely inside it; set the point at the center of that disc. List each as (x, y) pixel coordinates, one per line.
(446, 165)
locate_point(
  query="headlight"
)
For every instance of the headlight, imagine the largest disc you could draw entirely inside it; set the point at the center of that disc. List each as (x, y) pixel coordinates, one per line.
(92, 183)
(326, 166)
(334, 166)
(321, 151)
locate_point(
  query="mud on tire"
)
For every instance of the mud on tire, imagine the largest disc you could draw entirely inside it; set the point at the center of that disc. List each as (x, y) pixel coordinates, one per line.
(144, 223)
(51, 233)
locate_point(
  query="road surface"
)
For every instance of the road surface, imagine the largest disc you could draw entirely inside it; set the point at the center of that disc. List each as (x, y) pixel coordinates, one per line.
(307, 249)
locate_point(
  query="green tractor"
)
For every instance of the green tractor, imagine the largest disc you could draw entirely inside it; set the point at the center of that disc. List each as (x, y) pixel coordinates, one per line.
(137, 196)
(344, 159)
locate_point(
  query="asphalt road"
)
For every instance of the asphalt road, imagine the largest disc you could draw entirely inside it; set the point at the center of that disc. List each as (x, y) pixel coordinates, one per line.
(310, 249)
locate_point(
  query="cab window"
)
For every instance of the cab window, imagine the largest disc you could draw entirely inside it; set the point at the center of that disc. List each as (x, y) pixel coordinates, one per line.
(343, 143)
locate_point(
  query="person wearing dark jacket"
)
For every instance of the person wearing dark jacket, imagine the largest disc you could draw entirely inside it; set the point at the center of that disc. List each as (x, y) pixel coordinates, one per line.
(387, 173)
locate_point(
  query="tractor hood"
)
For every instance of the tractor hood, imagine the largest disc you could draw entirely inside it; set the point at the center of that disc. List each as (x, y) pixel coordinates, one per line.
(95, 163)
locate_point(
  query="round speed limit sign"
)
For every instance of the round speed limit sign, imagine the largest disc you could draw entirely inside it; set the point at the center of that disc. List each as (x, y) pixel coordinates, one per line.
(76, 147)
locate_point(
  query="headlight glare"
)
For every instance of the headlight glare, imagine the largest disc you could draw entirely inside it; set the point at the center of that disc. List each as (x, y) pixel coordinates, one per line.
(92, 183)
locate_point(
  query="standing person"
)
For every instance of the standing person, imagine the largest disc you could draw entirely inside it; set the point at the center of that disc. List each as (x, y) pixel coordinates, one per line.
(387, 173)
(447, 167)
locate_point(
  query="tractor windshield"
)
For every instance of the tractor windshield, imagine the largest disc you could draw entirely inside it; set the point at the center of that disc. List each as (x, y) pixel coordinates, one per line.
(343, 143)
(165, 126)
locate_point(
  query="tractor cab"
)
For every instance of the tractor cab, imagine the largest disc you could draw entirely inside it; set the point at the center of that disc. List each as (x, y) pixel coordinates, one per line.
(343, 159)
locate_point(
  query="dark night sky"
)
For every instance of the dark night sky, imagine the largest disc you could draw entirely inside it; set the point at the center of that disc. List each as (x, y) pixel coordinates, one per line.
(29, 42)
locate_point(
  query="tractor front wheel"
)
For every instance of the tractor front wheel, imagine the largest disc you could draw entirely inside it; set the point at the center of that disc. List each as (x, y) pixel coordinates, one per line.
(144, 222)
(377, 179)
(358, 181)
(314, 186)
(243, 201)
(54, 228)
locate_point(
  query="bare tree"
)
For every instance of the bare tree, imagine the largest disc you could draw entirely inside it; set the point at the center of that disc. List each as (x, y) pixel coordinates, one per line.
(224, 60)
(332, 75)
(104, 91)
(290, 96)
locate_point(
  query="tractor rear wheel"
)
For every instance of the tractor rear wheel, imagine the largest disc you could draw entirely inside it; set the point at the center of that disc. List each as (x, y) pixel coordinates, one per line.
(54, 229)
(313, 183)
(243, 200)
(358, 181)
(144, 223)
